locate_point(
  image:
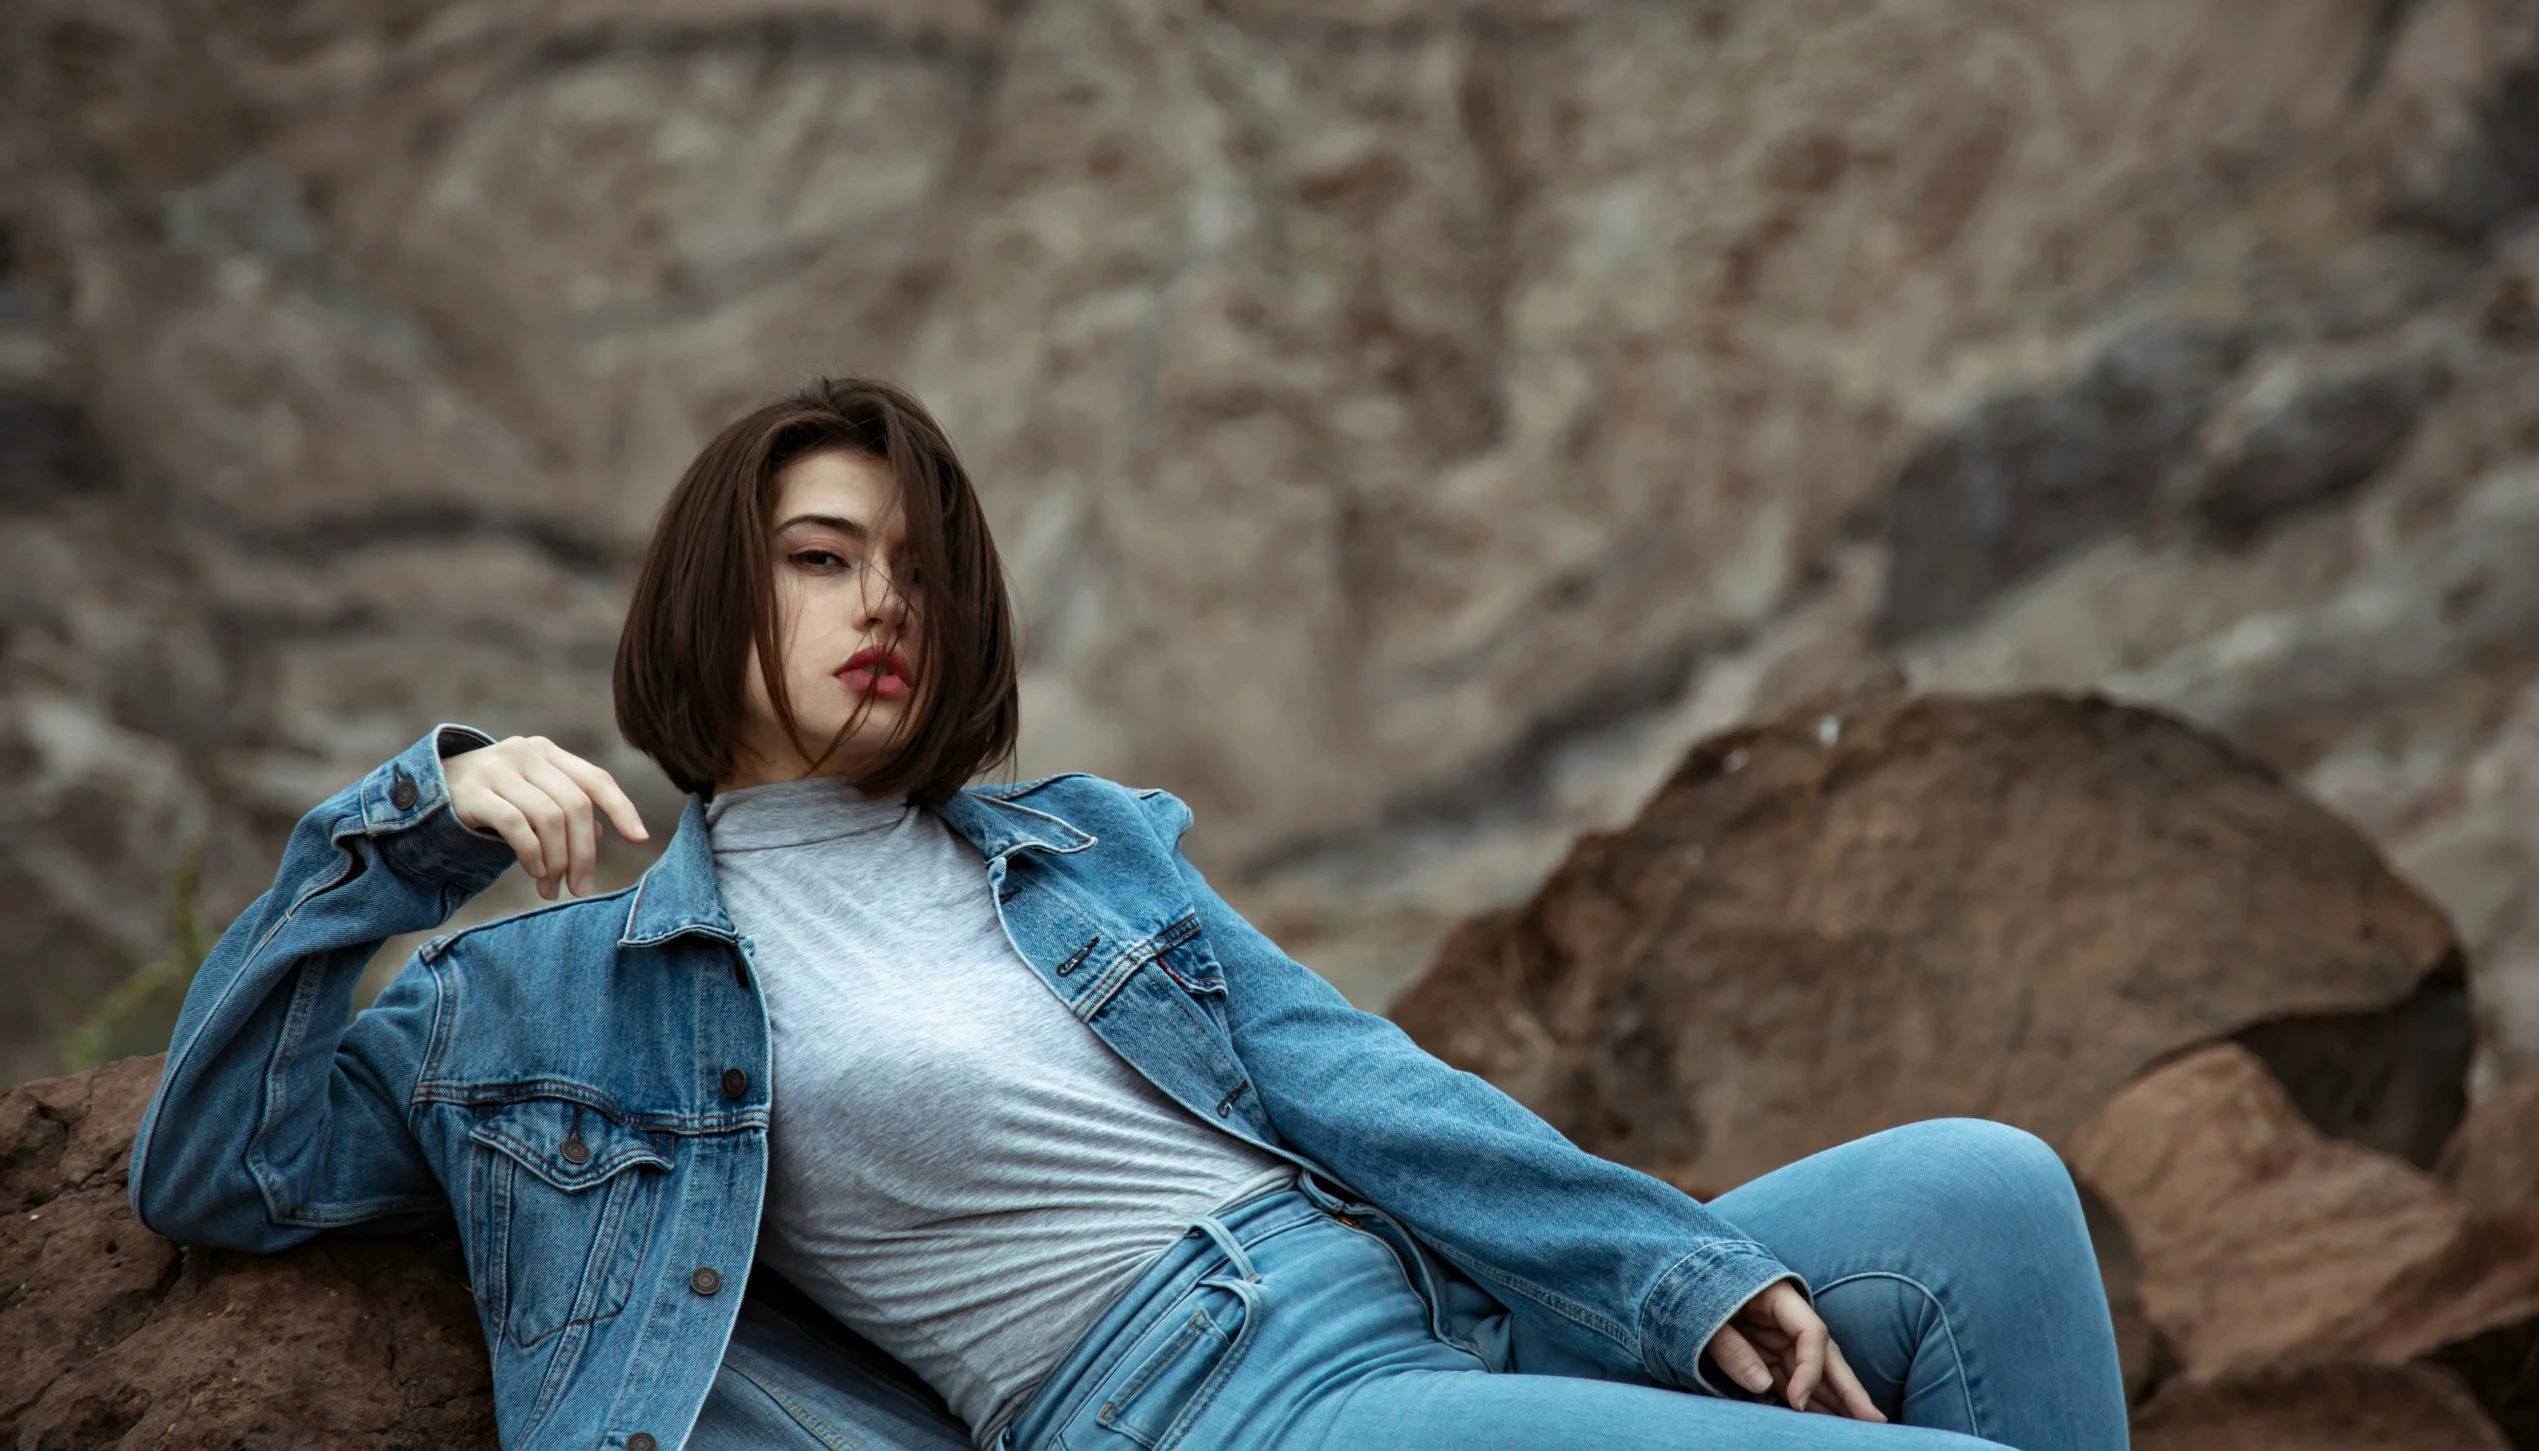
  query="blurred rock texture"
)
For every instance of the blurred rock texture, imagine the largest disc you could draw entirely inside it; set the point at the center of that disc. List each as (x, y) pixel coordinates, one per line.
(1411, 422)
(2246, 1036)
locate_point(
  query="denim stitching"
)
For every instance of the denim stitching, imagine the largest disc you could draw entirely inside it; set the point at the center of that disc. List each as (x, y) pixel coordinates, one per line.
(448, 940)
(294, 1029)
(1965, 1377)
(603, 1252)
(488, 1249)
(567, 1358)
(1236, 1350)
(435, 1047)
(803, 1415)
(1156, 1364)
(598, 1172)
(1115, 975)
(525, 1090)
(594, 1288)
(1064, 825)
(1197, 1274)
(1560, 1305)
(1199, 1324)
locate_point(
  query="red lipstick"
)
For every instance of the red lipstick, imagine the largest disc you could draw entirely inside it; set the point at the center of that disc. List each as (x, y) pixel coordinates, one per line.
(875, 670)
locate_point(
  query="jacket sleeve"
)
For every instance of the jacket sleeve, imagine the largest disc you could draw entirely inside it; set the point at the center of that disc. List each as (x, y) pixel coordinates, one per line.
(1608, 1264)
(273, 1121)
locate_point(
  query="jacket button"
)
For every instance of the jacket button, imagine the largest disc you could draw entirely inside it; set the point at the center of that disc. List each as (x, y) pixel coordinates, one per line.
(705, 1281)
(735, 1083)
(576, 1152)
(642, 1441)
(403, 793)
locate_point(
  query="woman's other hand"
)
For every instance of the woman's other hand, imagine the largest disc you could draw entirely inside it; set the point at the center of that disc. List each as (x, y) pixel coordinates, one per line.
(545, 802)
(1775, 1342)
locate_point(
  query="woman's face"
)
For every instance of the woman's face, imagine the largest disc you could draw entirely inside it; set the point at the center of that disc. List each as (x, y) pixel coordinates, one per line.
(840, 611)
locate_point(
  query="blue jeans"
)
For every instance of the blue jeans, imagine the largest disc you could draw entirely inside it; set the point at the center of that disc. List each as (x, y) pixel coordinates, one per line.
(1948, 1258)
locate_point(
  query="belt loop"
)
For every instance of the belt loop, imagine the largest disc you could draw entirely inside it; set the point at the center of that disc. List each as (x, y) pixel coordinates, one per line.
(1214, 1228)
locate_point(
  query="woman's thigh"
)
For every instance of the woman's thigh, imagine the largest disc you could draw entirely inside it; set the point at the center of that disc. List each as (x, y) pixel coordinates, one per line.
(1952, 1264)
(1481, 1411)
(1328, 1347)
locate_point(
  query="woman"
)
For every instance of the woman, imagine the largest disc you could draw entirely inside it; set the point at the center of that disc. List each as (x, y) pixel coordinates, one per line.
(993, 1079)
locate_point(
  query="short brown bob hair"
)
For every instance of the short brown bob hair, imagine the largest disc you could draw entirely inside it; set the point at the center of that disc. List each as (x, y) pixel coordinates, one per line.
(707, 592)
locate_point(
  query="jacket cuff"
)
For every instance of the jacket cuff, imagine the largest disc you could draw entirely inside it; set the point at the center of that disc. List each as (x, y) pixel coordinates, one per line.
(403, 810)
(1695, 1297)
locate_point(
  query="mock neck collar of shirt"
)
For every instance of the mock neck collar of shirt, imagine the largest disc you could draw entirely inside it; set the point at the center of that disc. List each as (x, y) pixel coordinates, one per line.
(681, 893)
(797, 813)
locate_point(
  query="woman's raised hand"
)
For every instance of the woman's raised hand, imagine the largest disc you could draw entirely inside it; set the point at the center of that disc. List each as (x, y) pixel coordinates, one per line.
(546, 803)
(1775, 1342)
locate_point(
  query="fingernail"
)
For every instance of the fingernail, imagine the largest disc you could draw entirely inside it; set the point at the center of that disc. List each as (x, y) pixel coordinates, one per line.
(1756, 1378)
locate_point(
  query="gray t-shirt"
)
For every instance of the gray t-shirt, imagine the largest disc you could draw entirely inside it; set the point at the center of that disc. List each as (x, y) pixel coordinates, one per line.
(959, 1169)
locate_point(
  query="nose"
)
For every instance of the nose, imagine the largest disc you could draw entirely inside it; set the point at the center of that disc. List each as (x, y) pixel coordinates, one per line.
(881, 606)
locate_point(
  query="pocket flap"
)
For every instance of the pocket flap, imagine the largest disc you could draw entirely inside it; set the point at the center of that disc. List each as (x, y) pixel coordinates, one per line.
(1182, 952)
(570, 1145)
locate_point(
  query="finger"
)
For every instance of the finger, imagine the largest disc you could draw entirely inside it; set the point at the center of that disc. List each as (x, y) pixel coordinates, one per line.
(547, 819)
(1767, 1338)
(1807, 1361)
(506, 821)
(1737, 1360)
(1849, 1397)
(581, 824)
(603, 790)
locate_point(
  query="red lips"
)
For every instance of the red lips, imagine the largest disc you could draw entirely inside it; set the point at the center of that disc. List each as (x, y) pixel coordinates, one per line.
(875, 670)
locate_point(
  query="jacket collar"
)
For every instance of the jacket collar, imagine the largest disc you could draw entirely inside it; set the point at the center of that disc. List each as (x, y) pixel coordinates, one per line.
(998, 825)
(680, 893)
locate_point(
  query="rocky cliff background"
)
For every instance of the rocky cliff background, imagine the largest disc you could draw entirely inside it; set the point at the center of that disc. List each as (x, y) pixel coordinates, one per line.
(1410, 423)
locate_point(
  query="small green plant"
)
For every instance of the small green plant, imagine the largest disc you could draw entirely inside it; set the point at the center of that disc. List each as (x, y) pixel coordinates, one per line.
(86, 1043)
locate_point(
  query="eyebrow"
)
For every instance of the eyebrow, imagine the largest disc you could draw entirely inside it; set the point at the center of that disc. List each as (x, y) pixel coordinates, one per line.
(839, 522)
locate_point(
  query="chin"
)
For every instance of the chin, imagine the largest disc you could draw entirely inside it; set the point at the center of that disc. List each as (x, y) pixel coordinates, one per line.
(875, 726)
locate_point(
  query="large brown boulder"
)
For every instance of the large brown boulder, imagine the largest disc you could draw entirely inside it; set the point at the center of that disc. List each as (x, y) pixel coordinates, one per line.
(1878, 908)
(2257, 1235)
(2324, 1407)
(2283, 1271)
(119, 1338)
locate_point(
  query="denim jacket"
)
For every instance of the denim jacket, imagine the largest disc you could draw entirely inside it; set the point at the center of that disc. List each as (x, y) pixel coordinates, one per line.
(586, 1087)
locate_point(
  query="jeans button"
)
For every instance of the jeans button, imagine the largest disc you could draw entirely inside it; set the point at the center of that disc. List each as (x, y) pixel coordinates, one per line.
(403, 794)
(642, 1441)
(576, 1152)
(705, 1281)
(735, 1083)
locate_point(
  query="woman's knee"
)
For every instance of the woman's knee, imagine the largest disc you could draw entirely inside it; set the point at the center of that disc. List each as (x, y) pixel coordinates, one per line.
(1972, 1171)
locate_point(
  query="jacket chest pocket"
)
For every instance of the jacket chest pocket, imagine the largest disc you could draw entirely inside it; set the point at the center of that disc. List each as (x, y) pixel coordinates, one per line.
(560, 1207)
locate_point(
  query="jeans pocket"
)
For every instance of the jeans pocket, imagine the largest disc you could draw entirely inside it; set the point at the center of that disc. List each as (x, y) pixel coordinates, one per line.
(1175, 1369)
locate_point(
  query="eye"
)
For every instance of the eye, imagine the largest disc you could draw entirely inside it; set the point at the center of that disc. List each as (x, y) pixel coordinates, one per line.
(820, 559)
